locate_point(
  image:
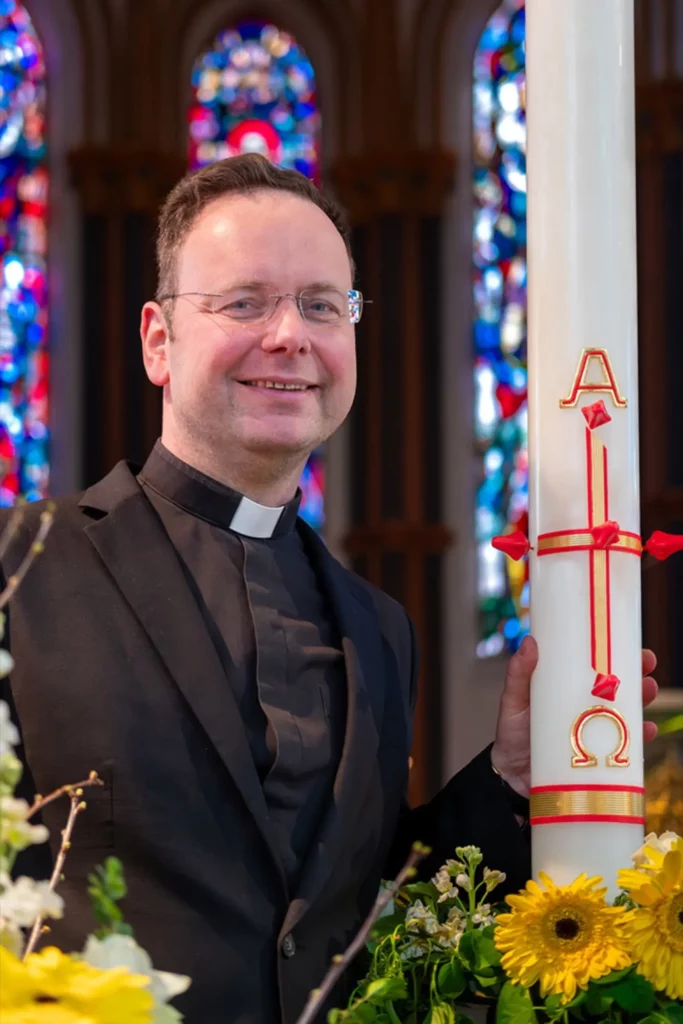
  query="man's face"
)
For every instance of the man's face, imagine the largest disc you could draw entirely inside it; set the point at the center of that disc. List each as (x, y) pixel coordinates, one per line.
(219, 373)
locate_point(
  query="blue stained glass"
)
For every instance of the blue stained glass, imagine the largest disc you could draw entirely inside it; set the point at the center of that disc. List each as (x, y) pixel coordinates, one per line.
(24, 366)
(499, 334)
(255, 91)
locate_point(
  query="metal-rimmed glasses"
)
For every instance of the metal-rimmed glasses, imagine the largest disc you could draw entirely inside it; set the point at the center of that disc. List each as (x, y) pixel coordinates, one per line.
(326, 307)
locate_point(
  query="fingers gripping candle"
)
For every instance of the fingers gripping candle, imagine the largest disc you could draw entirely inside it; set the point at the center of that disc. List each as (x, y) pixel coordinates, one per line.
(587, 800)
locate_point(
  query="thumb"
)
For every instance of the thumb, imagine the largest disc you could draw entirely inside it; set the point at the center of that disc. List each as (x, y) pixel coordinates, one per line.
(518, 676)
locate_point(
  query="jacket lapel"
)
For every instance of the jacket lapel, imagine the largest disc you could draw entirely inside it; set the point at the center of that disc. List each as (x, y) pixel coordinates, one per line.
(362, 646)
(136, 551)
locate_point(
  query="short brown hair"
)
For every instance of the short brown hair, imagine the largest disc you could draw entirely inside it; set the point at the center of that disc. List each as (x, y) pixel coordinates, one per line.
(243, 174)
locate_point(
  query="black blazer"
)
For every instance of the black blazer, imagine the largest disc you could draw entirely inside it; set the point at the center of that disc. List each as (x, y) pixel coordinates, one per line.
(115, 671)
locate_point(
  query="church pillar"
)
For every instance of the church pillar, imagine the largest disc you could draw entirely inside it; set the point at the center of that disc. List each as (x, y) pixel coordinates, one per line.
(120, 194)
(397, 539)
(660, 242)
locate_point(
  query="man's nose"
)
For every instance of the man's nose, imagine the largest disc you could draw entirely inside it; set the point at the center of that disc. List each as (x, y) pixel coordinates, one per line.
(287, 331)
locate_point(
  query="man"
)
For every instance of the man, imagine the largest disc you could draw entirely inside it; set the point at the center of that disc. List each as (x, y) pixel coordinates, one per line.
(246, 700)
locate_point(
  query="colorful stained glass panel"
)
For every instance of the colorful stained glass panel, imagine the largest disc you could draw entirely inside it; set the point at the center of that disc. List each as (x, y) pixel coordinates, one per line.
(254, 92)
(500, 273)
(24, 366)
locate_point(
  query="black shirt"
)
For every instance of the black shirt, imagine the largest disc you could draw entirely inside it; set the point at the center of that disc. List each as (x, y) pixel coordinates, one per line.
(274, 633)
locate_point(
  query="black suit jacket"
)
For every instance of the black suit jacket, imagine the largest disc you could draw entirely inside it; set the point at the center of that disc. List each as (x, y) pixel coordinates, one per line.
(115, 671)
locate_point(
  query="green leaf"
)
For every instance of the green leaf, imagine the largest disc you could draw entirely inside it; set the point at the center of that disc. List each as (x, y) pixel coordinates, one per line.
(384, 990)
(673, 1012)
(442, 1014)
(485, 949)
(515, 1006)
(634, 993)
(451, 980)
(612, 977)
(387, 924)
(364, 1013)
(415, 889)
(467, 950)
(597, 1001)
(486, 980)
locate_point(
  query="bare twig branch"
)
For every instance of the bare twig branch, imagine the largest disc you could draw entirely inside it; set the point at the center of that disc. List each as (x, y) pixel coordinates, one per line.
(36, 548)
(42, 801)
(76, 807)
(10, 530)
(342, 960)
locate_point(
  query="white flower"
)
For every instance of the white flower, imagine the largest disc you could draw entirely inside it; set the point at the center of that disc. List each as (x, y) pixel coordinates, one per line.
(450, 933)
(11, 937)
(493, 879)
(482, 915)
(6, 663)
(25, 900)
(123, 951)
(653, 844)
(417, 948)
(9, 734)
(442, 881)
(420, 919)
(464, 882)
(14, 829)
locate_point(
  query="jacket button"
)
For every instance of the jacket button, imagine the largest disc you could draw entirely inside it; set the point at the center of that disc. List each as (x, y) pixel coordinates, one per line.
(288, 946)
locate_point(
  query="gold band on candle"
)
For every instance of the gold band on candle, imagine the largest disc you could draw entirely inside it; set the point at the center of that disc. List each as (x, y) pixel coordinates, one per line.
(582, 540)
(550, 804)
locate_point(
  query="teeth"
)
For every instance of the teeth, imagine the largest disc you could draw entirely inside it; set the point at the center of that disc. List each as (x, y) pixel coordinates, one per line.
(276, 386)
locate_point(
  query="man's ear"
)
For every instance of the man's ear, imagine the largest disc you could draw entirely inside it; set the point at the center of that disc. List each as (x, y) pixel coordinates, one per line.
(155, 337)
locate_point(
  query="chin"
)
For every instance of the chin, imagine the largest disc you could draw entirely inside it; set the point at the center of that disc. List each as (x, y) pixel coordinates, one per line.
(281, 444)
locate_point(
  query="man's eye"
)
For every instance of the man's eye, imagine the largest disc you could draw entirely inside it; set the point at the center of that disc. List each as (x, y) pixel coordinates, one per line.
(239, 307)
(322, 307)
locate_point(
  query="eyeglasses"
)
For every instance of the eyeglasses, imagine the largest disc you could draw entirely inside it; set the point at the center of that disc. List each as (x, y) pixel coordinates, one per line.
(253, 306)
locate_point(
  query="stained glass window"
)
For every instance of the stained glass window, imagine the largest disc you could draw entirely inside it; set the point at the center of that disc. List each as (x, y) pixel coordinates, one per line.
(499, 281)
(24, 369)
(254, 92)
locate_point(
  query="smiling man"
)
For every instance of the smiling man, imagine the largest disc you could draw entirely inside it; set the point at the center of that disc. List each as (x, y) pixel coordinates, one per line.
(246, 700)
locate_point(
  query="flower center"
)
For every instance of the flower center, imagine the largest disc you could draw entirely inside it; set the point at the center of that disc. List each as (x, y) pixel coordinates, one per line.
(46, 999)
(674, 925)
(567, 928)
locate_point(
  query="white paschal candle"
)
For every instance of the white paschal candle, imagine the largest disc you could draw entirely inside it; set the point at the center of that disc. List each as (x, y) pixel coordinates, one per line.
(586, 806)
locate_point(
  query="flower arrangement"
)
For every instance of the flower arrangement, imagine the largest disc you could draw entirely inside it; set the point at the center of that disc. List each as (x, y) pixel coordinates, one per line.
(111, 981)
(554, 954)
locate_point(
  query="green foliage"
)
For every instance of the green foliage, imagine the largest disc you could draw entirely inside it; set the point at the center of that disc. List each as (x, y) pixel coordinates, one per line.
(106, 889)
(436, 955)
(515, 1006)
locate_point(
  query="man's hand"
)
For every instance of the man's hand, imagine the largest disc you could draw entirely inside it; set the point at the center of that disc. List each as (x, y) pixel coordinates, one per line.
(511, 753)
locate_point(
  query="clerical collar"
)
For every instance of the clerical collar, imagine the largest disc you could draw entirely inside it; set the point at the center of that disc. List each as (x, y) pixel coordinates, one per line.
(202, 496)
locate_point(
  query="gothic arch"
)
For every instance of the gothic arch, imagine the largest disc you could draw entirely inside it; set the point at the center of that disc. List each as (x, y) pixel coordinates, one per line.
(324, 32)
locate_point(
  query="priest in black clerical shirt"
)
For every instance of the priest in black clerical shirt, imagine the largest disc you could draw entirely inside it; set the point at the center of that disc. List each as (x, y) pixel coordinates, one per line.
(275, 635)
(245, 699)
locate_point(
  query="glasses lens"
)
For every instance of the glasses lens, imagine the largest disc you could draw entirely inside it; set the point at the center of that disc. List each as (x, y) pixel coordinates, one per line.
(355, 299)
(244, 306)
(322, 307)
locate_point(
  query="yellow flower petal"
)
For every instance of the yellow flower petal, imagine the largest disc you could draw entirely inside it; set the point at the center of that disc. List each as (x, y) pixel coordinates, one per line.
(52, 988)
(561, 937)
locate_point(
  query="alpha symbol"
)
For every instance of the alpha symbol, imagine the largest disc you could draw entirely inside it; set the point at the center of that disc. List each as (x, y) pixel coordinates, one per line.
(607, 383)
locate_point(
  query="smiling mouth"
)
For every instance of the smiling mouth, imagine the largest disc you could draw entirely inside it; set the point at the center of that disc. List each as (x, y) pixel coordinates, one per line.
(276, 385)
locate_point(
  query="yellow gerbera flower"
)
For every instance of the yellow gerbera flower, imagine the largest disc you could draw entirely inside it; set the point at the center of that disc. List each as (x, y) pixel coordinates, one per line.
(52, 988)
(655, 927)
(562, 937)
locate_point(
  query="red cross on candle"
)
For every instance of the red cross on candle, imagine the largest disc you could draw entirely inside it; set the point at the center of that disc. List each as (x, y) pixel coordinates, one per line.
(600, 538)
